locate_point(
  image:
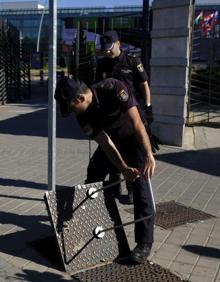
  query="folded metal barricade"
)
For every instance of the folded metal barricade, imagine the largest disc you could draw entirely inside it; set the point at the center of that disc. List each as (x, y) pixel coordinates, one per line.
(87, 226)
(76, 214)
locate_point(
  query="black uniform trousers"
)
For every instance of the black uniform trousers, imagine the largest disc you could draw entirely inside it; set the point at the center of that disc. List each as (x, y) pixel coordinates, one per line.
(100, 166)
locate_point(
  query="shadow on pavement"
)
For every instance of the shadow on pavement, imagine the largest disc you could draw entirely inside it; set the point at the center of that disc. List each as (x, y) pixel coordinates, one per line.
(48, 248)
(30, 228)
(205, 161)
(23, 241)
(20, 198)
(22, 183)
(36, 124)
(36, 276)
(27, 184)
(203, 251)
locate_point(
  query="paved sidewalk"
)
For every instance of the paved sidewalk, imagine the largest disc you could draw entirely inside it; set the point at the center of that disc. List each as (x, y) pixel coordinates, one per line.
(190, 177)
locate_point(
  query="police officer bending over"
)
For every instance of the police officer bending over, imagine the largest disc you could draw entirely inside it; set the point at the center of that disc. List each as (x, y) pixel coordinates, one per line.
(108, 113)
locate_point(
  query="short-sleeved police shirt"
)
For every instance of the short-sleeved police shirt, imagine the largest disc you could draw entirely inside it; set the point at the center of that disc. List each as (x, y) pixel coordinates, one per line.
(111, 100)
(127, 67)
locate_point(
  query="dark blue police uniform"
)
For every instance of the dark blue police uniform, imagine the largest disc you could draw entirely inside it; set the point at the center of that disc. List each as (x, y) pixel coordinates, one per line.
(126, 67)
(111, 100)
(129, 69)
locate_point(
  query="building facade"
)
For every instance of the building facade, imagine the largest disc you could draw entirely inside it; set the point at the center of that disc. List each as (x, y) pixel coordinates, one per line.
(126, 20)
(95, 20)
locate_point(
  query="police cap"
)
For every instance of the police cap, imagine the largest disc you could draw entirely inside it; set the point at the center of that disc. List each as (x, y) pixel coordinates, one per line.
(68, 89)
(108, 39)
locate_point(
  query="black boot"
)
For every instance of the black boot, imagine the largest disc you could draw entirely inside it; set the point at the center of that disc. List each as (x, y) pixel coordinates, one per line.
(116, 190)
(130, 199)
(140, 252)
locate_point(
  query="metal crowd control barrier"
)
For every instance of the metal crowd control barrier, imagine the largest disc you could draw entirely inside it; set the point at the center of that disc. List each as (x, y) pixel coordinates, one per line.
(75, 215)
(2, 67)
(87, 226)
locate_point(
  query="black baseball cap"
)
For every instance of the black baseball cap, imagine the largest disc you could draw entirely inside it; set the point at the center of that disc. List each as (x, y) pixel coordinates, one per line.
(108, 39)
(68, 89)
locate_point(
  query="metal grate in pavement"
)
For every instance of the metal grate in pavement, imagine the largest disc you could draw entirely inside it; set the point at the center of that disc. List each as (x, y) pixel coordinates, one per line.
(75, 216)
(146, 272)
(172, 214)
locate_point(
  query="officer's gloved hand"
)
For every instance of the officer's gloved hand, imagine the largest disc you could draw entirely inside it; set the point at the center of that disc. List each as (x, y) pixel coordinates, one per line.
(149, 114)
(154, 143)
(153, 140)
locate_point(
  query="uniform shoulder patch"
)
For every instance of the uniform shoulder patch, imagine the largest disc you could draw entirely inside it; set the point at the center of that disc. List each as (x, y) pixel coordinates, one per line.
(140, 67)
(87, 129)
(132, 55)
(107, 85)
(100, 85)
(104, 75)
(123, 95)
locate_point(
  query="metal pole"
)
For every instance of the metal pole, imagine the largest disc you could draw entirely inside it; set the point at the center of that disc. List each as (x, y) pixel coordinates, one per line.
(40, 26)
(145, 39)
(39, 31)
(95, 27)
(211, 62)
(191, 37)
(103, 26)
(51, 91)
(77, 50)
(112, 27)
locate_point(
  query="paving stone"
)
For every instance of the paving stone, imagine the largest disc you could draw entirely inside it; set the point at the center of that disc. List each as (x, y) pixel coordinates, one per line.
(185, 257)
(207, 262)
(209, 273)
(196, 278)
(184, 268)
(164, 262)
(217, 278)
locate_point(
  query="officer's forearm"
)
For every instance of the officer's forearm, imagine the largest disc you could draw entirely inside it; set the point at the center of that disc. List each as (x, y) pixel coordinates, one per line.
(139, 130)
(143, 139)
(145, 91)
(111, 151)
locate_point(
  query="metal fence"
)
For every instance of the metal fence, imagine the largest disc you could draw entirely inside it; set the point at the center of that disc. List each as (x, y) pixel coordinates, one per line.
(204, 91)
(133, 34)
(14, 65)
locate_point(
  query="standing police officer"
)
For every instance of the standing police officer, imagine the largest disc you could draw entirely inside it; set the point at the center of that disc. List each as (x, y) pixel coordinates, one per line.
(108, 113)
(129, 69)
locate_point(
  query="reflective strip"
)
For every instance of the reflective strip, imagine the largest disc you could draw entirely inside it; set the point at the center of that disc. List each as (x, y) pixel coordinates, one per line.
(151, 195)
